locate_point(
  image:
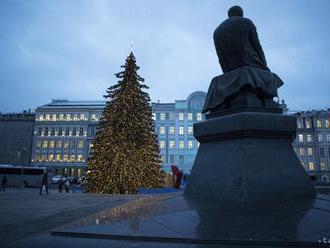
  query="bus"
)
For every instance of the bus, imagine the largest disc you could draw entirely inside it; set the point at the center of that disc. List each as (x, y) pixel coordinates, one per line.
(30, 176)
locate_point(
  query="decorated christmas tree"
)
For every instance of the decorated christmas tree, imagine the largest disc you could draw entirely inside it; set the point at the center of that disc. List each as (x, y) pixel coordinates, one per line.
(125, 153)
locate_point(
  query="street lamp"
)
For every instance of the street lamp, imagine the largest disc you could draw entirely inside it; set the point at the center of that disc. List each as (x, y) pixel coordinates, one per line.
(21, 155)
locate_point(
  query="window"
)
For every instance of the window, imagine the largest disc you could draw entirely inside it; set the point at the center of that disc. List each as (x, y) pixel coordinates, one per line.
(310, 152)
(81, 131)
(73, 144)
(190, 144)
(162, 116)
(181, 117)
(48, 117)
(80, 158)
(190, 116)
(67, 131)
(82, 117)
(322, 166)
(172, 144)
(320, 138)
(301, 151)
(41, 117)
(311, 166)
(60, 117)
(53, 117)
(39, 131)
(74, 131)
(51, 157)
(65, 157)
(327, 123)
(162, 130)
(45, 144)
(58, 157)
(328, 137)
(171, 116)
(308, 123)
(93, 117)
(60, 132)
(319, 123)
(181, 131)
(59, 144)
(162, 144)
(79, 172)
(75, 117)
(300, 138)
(66, 145)
(73, 157)
(171, 159)
(154, 116)
(181, 159)
(299, 124)
(181, 144)
(68, 117)
(199, 116)
(46, 131)
(309, 138)
(190, 130)
(51, 144)
(37, 157)
(322, 152)
(38, 144)
(171, 131)
(52, 132)
(80, 144)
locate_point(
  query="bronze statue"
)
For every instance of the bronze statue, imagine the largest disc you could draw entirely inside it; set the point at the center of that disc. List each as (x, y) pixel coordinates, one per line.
(237, 44)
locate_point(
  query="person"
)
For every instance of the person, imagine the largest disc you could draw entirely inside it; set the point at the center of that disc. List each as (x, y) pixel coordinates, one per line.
(4, 183)
(66, 184)
(44, 183)
(60, 185)
(237, 44)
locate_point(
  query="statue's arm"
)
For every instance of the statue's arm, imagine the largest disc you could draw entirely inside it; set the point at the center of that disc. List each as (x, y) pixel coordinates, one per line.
(256, 44)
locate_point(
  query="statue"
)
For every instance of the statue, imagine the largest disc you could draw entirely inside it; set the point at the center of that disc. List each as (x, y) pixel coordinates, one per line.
(237, 44)
(247, 83)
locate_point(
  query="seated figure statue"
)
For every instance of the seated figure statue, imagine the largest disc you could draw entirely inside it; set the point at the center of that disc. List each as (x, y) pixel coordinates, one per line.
(237, 44)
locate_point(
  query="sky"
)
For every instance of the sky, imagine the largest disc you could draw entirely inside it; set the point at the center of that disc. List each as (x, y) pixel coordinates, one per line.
(72, 49)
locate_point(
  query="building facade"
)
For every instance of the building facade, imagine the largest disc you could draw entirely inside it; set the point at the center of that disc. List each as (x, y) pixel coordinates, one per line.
(64, 132)
(312, 143)
(16, 132)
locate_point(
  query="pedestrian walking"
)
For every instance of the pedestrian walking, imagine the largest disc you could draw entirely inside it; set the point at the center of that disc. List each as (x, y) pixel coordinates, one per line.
(4, 183)
(44, 184)
(66, 185)
(60, 185)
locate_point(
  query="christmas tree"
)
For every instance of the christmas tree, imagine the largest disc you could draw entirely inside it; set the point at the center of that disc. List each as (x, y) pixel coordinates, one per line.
(125, 153)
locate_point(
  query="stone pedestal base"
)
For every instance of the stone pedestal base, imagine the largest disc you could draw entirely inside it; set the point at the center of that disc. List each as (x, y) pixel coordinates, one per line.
(247, 157)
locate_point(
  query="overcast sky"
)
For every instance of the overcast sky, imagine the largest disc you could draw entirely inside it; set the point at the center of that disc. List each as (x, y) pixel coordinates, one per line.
(71, 49)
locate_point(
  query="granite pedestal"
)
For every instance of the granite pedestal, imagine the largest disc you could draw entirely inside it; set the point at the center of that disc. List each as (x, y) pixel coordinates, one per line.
(247, 157)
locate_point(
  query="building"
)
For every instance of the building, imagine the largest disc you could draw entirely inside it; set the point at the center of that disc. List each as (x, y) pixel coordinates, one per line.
(312, 143)
(64, 132)
(16, 132)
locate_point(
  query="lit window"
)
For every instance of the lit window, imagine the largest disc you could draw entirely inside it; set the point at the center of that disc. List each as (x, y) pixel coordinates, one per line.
(154, 116)
(162, 130)
(162, 116)
(181, 131)
(47, 117)
(301, 151)
(60, 117)
(171, 131)
(73, 157)
(308, 123)
(172, 144)
(58, 157)
(41, 118)
(181, 144)
(319, 123)
(301, 138)
(51, 144)
(320, 137)
(299, 124)
(66, 145)
(51, 157)
(190, 130)
(93, 117)
(190, 116)
(311, 166)
(190, 144)
(162, 144)
(82, 117)
(68, 117)
(53, 117)
(181, 117)
(310, 151)
(80, 158)
(39, 144)
(309, 138)
(59, 144)
(65, 157)
(37, 157)
(75, 117)
(45, 144)
(80, 144)
(327, 123)
(199, 116)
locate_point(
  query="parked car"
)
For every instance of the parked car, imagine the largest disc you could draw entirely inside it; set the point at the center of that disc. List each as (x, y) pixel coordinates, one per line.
(57, 178)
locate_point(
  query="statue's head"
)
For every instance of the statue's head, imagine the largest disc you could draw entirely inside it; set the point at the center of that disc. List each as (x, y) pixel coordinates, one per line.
(235, 11)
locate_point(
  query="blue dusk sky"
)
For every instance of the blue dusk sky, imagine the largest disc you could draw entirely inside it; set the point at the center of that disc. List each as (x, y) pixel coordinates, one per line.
(71, 49)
